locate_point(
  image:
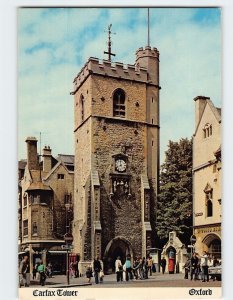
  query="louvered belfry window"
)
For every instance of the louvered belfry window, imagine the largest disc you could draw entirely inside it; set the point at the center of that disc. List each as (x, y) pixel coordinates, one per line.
(119, 103)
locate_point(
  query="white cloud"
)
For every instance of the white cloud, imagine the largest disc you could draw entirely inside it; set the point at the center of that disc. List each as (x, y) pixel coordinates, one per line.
(54, 45)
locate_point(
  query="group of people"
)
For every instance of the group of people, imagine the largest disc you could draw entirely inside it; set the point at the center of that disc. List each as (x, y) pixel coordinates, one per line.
(24, 272)
(197, 266)
(140, 269)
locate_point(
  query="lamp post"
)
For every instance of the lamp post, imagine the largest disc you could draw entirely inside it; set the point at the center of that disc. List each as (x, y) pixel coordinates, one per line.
(68, 239)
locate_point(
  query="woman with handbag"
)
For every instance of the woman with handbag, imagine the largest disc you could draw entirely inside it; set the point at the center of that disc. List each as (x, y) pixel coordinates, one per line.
(119, 269)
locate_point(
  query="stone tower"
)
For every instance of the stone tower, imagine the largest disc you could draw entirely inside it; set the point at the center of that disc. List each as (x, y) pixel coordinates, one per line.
(116, 132)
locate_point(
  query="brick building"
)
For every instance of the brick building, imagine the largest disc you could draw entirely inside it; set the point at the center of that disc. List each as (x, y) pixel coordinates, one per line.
(45, 204)
(116, 132)
(207, 173)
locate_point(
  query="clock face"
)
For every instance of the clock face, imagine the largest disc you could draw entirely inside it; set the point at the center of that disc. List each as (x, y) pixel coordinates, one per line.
(120, 165)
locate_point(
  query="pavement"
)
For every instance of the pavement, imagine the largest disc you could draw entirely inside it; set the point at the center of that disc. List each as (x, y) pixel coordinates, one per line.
(156, 280)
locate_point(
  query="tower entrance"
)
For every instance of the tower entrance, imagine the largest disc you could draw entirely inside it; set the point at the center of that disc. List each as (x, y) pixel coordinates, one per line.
(118, 246)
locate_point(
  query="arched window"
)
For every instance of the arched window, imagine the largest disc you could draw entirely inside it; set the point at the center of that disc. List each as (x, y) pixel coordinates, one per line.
(209, 208)
(119, 103)
(207, 130)
(82, 107)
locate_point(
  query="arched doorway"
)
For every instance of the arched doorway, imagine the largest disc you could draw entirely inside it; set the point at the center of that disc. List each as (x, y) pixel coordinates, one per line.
(118, 246)
(213, 243)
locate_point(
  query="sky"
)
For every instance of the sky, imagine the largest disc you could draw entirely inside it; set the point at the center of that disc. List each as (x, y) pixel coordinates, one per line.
(54, 44)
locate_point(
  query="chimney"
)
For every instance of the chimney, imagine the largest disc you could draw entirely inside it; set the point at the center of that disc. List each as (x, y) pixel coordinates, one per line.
(47, 159)
(32, 157)
(200, 103)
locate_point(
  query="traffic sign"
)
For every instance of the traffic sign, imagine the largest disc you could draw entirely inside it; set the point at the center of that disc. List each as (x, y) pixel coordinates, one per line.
(68, 237)
(193, 239)
(66, 247)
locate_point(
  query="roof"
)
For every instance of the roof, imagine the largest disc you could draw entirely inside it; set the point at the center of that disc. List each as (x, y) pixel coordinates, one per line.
(38, 186)
(66, 159)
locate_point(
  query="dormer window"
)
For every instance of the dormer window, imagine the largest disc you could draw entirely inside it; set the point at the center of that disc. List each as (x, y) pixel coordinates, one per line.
(119, 103)
(207, 130)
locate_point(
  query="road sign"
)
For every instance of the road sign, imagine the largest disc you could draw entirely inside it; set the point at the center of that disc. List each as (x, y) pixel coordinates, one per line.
(193, 239)
(68, 237)
(66, 247)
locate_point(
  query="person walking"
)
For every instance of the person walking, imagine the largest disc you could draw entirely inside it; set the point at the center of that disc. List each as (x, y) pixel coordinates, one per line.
(76, 271)
(119, 269)
(163, 264)
(41, 271)
(186, 268)
(89, 274)
(23, 272)
(136, 265)
(150, 264)
(97, 267)
(34, 271)
(128, 269)
(193, 266)
(205, 266)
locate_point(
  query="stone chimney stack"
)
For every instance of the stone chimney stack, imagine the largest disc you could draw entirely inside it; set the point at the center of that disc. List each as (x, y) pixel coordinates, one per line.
(200, 103)
(47, 159)
(32, 156)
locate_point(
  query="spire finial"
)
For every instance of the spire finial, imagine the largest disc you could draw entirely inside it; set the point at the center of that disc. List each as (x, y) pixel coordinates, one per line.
(109, 52)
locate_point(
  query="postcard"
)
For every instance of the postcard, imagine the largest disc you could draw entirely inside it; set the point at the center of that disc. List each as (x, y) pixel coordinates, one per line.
(119, 152)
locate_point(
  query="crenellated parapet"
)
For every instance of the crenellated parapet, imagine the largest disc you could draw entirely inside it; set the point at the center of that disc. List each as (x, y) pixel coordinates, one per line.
(147, 51)
(106, 68)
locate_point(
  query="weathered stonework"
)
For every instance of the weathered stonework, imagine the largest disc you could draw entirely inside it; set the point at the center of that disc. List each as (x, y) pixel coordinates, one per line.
(207, 177)
(113, 210)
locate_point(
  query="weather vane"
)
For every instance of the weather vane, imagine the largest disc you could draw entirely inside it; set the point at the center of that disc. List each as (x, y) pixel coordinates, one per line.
(109, 52)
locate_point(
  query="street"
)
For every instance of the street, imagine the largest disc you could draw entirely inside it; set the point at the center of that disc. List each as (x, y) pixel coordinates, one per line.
(156, 280)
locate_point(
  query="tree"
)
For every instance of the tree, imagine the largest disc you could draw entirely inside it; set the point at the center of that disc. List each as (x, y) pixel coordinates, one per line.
(174, 207)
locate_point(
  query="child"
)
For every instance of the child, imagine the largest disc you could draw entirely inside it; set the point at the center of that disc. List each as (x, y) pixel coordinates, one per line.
(89, 274)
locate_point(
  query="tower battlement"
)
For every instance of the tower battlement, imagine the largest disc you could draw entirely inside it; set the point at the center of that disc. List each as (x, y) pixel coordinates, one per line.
(147, 51)
(106, 68)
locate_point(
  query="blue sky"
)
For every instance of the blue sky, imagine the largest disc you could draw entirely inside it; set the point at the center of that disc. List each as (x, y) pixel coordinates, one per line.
(54, 44)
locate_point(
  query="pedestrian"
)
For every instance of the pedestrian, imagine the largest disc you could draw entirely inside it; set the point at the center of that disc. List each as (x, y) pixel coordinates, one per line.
(128, 269)
(34, 271)
(72, 269)
(205, 266)
(49, 270)
(150, 264)
(119, 269)
(23, 272)
(163, 264)
(136, 264)
(193, 266)
(186, 268)
(89, 274)
(76, 271)
(97, 267)
(41, 271)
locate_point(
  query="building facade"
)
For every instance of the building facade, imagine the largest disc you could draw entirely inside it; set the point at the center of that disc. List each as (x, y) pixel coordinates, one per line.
(45, 205)
(116, 132)
(207, 177)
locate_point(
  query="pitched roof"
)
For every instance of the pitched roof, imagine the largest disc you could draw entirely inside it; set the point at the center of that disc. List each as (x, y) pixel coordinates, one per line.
(66, 159)
(38, 186)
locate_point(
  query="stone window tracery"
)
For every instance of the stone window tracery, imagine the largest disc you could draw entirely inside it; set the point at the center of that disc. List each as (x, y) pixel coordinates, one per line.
(119, 103)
